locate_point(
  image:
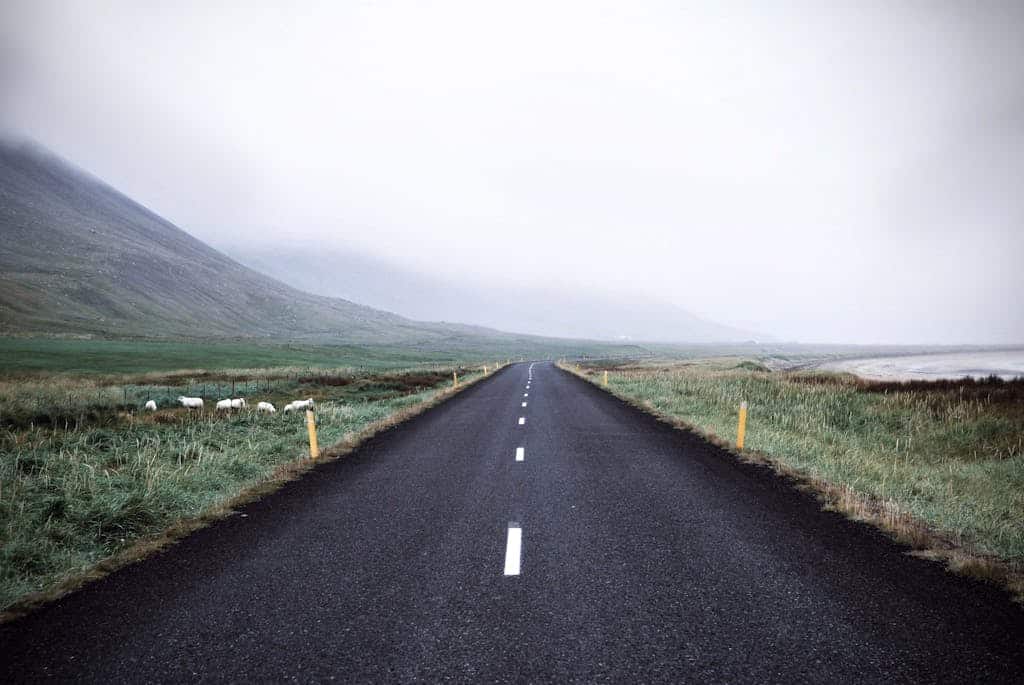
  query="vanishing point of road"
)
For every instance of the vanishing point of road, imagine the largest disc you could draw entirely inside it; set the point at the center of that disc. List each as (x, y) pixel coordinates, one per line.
(532, 528)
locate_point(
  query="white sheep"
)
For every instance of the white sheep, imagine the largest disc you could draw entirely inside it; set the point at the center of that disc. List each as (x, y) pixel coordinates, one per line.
(191, 402)
(238, 403)
(266, 407)
(151, 406)
(223, 404)
(299, 404)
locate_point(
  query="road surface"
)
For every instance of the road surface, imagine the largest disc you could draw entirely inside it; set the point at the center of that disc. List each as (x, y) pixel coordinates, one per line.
(570, 539)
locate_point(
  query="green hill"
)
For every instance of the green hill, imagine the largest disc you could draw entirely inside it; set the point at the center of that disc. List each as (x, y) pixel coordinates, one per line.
(78, 257)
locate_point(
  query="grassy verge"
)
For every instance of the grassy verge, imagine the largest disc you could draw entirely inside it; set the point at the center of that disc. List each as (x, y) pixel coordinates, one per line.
(938, 465)
(88, 482)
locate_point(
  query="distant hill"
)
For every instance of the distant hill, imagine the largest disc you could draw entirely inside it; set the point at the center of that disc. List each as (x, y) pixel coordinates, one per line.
(537, 311)
(78, 257)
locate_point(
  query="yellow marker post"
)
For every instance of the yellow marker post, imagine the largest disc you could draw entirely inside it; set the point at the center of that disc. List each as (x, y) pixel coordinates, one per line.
(606, 379)
(314, 448)
(741, 429)
(485, 369)
(455, 379)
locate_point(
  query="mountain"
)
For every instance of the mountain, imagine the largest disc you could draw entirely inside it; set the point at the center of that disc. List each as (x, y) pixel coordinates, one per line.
(536, 311)
(76, 256)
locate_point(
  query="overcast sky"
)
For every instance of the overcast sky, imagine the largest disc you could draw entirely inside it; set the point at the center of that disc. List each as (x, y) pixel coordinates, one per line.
(820, 171)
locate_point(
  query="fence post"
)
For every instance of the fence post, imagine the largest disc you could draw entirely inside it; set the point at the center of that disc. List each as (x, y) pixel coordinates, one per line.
(314, 448)
(741, 429)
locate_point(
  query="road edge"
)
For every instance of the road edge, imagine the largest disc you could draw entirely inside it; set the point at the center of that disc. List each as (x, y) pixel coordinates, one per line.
(924, 540)
(285, 473)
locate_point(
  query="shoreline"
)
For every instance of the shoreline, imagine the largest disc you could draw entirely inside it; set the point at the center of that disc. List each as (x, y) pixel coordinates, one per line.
(1006, 364)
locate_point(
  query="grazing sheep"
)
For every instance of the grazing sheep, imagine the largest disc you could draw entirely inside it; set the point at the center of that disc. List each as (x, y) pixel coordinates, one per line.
(299, 404)
(151, 406)
(223, 404)
(191, 402)
(238, 403)
(266, 407)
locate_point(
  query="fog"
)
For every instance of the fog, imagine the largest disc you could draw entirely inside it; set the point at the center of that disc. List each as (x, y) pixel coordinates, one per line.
(822, 172)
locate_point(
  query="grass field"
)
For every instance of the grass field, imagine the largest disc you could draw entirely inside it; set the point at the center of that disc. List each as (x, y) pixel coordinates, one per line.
(55, 355)
(949, 454)
(85, 474)
(28, 356)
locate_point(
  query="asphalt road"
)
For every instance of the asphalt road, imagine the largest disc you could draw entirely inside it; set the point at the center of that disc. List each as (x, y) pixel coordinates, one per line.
(646, 555)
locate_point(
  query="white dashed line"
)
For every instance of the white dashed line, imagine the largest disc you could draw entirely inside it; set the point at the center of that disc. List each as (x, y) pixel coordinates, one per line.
(513, 549)
(526, 394)
(522, 420)
(524, 404)
(520, 453)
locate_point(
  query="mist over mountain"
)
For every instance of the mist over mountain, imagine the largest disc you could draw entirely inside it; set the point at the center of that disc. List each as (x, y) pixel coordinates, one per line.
(78, 257)
(533, 310)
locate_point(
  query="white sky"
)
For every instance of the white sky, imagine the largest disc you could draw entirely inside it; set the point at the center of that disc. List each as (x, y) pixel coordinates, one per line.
(849, 173)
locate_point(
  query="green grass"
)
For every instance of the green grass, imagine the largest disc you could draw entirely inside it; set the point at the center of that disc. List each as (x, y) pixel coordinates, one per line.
(84, 475)
(950, 454)
(53, 355)
(38, 355)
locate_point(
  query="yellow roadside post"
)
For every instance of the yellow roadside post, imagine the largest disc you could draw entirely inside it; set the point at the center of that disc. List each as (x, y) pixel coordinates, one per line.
(485, 369)
(314, 448)
(455, 379)
(606, 379)
(741, 429)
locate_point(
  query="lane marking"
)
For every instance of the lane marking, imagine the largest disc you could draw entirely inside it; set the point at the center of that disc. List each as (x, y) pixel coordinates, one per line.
(524, 404)
(520, 453)
(513, 549)
(522, 420)
(526, 394)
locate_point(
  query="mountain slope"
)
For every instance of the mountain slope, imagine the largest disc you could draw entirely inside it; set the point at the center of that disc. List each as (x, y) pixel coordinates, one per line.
(533, 310)
(76, 256)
